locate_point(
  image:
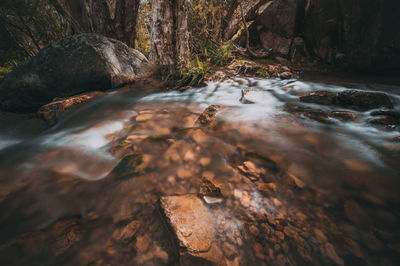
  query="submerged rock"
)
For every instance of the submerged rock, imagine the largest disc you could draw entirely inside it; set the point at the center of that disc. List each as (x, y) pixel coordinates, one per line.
(73, 65)
(352, 99)
(395, 114)
(356, 214)
(208, 116)
(125, 234)
(208, 188)
(386, 121)
(52, 112)
(319, 97)
(194, 227)
(344, 116)
(313, 114)
(363, 100)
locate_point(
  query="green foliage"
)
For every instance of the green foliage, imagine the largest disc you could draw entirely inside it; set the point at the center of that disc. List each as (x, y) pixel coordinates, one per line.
(142, 42)
(204, 22)
(27, 26)
(221, 55)
(192, 74)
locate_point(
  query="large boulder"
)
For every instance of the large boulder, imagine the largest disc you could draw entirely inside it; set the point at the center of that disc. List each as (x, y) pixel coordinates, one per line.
(358, 34)
(81, 63)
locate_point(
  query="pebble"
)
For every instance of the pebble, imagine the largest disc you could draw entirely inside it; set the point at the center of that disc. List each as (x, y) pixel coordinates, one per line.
(355, 213)
(229, 250)
(126, 233)
(245, 199)
(142, 243)
(267, 188)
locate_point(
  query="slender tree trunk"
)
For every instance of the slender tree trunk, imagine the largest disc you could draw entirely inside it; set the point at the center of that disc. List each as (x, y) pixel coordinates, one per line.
(162, 33)
(169, 36)
(182, 33)
(125, 20)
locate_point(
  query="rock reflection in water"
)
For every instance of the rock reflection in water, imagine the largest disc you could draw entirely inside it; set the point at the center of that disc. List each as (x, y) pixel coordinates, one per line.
(232, 184)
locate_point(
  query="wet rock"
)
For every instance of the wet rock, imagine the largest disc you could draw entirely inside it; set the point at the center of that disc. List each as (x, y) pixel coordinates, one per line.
(210, 192)
(267, 188)
(207, 188)
(286, 75)
(344, 116)
(144, 115)
(389, 122)
(53, 111)
(125, 234)
(263, 160)
(319, 97)
(68, 233)
(245, 199)
(371, 241)
(313, 114)
(329, 251)
(208, 116)
(396, 139)
(294, 181)
(142, 243)
(394, 114)
(127, 166)
(251, 170)
(356, 214)
(363, 100)
(244, 99)
(81, 63)
(229, 250)
(193, 225)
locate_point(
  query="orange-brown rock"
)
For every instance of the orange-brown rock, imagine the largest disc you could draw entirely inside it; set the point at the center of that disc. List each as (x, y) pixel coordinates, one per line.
(53, 111)
(208, 116)
(194, 226)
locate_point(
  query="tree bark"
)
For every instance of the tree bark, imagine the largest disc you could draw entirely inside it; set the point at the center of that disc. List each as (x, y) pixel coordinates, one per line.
(169, 36)
(126, 13)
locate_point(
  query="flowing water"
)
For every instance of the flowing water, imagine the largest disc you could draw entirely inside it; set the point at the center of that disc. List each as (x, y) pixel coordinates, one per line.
(87, 190)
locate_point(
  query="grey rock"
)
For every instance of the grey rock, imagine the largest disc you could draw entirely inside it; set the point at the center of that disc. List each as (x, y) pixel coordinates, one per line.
(81, 63)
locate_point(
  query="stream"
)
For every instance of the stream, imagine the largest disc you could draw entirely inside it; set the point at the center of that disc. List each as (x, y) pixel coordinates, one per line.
(293, 191)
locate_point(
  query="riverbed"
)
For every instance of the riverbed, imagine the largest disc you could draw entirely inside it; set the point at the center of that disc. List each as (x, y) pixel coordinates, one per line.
(103, 184)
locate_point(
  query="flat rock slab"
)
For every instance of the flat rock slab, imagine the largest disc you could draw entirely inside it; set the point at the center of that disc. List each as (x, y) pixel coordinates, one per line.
(191, 221)
(194, 226)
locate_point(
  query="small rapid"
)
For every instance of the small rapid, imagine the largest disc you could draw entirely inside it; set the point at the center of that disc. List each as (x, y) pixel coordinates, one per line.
(74, 170)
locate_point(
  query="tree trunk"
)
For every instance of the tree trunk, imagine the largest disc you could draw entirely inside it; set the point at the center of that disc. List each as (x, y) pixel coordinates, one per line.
(126, 13)
(182, 33)
(169, 36)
